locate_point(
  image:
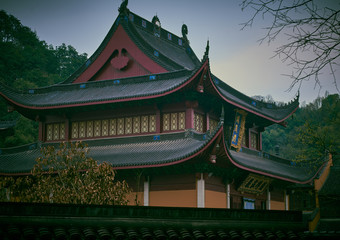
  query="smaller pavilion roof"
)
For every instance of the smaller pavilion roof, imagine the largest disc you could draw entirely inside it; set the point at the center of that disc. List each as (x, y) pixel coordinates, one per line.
(268, 165)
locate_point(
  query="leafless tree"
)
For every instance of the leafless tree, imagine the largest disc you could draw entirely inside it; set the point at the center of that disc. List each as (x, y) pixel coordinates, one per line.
(311, 31)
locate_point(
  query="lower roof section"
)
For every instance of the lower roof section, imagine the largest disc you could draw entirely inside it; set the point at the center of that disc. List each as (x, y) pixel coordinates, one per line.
(122, 153)
(148, 151)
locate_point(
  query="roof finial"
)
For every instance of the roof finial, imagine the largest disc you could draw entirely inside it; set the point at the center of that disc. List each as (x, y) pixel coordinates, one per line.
(206, 54)
(185, 32)
(123, 6)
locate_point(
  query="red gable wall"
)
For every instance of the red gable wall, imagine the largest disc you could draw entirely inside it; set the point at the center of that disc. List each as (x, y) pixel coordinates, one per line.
(120, 58)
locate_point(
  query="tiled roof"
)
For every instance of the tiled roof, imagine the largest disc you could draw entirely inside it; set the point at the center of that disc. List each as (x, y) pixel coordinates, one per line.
(53, 221)
(265, 164)
(141, 151)
(171, 56)
(98, 91)
(7, 124)
(270, 110)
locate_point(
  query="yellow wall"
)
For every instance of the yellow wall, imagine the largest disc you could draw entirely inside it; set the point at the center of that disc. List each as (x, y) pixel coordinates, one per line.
(132, 198)
(318, 183)
(215, 199)
(173, 198)
(276, 205)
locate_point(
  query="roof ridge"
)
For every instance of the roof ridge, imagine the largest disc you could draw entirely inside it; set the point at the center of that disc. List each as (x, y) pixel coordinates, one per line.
(254, 102)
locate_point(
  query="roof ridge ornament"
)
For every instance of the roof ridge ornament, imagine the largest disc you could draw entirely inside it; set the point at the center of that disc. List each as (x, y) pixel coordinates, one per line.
(123, 7)
(206, 53)
(185, 32)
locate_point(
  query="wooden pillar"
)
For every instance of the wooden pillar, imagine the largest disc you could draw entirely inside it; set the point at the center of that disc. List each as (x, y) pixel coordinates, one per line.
(228, 195)
(189, 114)
(207, 117)
(146, 191)
(286, 200)
(158, 121)
(67, 129)
(268, 199)
(201, 192)
(41, 131)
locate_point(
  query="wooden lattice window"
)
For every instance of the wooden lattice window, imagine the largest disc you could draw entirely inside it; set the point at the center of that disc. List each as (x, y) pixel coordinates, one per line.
(145, 124)
(166, 122)
(198, 122)
(82, 127)
(97, 128)
(152, 123)
(212, 124)
(128, 125)
(120, 126)
(136, 124)
(113, 127)
(254, 140)
(174, 121)
(55, 131)
(105, 127)
(75, 130)
(89, 128)
(181, 120)
(49, 132)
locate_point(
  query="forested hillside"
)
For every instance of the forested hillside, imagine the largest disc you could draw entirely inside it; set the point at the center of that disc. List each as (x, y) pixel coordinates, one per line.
(27, 62)
(312, 131)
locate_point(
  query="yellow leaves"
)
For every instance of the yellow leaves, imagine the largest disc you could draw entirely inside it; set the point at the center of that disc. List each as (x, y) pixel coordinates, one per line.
(68, 175)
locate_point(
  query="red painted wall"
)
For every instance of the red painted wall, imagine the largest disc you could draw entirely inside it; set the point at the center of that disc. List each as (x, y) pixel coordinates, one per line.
(104, 67)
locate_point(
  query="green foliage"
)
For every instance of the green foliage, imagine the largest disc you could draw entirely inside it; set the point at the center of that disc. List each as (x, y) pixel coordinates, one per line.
(67, 175)
(311, 134)
(26, 63)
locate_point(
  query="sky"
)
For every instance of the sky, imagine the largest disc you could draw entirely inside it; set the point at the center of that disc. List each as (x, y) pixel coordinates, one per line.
(236, 56)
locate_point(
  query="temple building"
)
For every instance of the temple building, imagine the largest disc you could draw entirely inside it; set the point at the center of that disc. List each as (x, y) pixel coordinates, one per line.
(179, 135)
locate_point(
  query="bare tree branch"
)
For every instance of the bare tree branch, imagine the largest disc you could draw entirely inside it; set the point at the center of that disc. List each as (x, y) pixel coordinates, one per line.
(312, 34)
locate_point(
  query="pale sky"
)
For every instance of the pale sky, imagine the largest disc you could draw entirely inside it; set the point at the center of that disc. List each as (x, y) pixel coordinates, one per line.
(235, 56)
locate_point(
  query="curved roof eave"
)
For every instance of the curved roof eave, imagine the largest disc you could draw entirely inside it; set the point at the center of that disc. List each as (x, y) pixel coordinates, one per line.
(183, 158)
(284, 172)
(145, 152)
(18, 99)
(237, 102)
